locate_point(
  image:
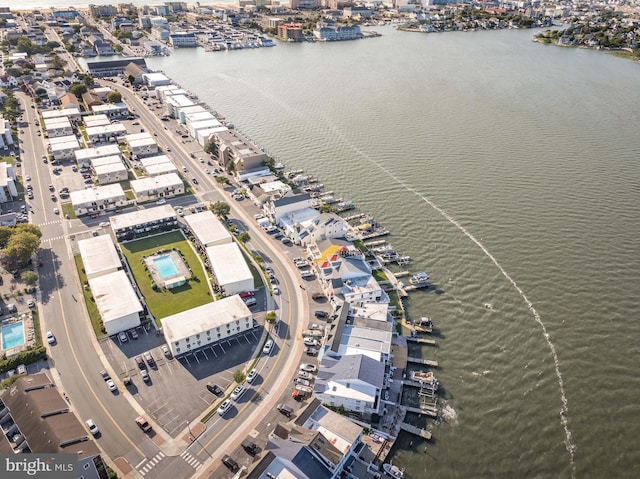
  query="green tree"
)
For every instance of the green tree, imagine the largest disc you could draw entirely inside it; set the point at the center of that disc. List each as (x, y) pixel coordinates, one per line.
(270, 318)
(21, 246)
(30, 278)
(131, 79)
(51, 44)
(29, 228)
(78, 89)
(238, 376)
(221, 209)
(5, 234)
(114, 97)
(222, 180)
(244, 237)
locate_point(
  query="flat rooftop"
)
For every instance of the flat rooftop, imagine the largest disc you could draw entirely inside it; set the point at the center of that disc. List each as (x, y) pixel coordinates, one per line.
(228, 263)
(208, 316)
(98, 254)
(140, 217)
(114, 296)
(207, 228)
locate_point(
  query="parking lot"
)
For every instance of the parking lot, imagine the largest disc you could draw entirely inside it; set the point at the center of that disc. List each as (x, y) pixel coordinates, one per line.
(176, 391)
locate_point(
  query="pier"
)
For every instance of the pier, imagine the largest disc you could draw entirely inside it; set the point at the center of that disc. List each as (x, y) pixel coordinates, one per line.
(430, 342)
(401, 274)
(431, 411)
(426, 362)
(423, 433)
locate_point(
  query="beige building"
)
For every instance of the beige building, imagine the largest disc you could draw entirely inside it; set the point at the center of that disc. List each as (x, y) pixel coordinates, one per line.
(206, 324)
(156, 187)
(98, 199)
(99, 256)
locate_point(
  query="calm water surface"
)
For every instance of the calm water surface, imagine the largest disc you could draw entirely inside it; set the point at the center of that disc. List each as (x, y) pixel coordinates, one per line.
(509, 171)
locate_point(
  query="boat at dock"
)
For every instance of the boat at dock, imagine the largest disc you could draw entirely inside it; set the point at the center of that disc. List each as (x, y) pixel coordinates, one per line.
(393, 471)
(426, 379)
(419, 279)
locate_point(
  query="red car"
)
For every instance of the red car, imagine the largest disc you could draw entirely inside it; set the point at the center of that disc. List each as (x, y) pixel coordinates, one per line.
(247, 294)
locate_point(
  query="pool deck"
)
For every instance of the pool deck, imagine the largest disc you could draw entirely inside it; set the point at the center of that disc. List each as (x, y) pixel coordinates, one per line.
(179, 263)
(28, 331)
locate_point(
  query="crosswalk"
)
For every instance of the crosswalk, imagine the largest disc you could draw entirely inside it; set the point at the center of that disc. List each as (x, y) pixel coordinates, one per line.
(192, 461)
(146, 466)
(53, 238)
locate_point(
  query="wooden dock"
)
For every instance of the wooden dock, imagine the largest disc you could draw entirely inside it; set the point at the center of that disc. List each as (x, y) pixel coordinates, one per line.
(423, 433)
(417, 384)
(430, 411)
(422, 329)
(401, 274)
(426, 362)
(413, 287)
(373, 244)
(430, 342)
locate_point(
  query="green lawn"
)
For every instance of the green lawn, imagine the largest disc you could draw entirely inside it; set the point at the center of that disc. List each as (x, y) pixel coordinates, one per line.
(163, 303)
(92, 309)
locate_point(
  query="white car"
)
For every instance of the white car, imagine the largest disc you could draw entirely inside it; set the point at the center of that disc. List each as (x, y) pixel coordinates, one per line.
(311, 342)
(161, 201)
(144, 375)
(238, 392)
(310, 368)
(224, 407)
(123, 337)
(50, 337)
(276, 290)
(104, 224)
(252, 375)
(56, 211)
(305, 375)
(267, 347)
(93, 429)
(111, 385)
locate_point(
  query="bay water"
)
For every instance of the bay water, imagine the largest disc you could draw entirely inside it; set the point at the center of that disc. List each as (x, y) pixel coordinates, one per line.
(507, 170)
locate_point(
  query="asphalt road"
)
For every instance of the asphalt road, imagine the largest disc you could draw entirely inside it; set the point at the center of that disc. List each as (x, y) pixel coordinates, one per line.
(77, 356)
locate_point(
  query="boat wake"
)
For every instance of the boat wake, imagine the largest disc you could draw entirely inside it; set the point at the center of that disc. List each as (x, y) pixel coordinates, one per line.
(337, 133)
(564, 409)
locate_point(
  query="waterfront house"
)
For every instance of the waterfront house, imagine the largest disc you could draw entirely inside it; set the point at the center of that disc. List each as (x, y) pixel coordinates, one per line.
(236, 152)
(353, 382)
(319, 443)
(278, 208)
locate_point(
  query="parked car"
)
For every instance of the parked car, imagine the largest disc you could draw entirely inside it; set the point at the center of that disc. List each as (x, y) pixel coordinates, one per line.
(166, 352)
(134, 334)
(311, 351)
(122, 336)
(311, 342)
(111, 385)
(105, 375)
(311, 368)
(215, 389)
(321, 314)
(224, 407)
(51, 339)
(252, 375)
(268, 347)
(140, 362)
(250, 446)
(229, 462)
(284, 409)
(144, 375)
(238, 392)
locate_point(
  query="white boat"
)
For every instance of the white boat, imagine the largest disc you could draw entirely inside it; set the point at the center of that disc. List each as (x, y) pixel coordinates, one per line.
(419, 279)
(393, 471)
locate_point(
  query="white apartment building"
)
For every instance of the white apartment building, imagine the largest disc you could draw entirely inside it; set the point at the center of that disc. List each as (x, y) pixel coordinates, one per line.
(117, 302)
(141, 145)
(99, 256)
(230, 268)
(206, 324)
(157, 165)
(98, 199)
(156, 187)
(56, 127)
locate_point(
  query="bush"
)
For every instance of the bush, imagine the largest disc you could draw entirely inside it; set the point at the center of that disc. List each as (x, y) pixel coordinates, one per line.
(29, 356)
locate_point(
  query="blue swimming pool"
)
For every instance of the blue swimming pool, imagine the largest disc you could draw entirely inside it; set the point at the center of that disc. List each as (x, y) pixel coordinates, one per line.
(12, 335)
(165, 265)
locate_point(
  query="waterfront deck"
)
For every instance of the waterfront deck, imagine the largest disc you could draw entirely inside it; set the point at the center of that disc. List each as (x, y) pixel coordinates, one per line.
(431, 411)
(423, 433)
(426, 362)
(429, 342)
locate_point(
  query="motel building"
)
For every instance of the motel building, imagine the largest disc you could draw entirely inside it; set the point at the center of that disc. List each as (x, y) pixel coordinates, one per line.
(206, 324)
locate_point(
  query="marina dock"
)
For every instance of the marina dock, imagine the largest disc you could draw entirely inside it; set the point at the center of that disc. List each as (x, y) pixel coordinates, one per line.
(426, 362)
(431, 411)
(430, 342)
(423, 433)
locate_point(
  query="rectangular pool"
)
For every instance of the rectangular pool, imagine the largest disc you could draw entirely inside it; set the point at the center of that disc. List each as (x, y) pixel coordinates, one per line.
(12, 335)
(165, 265)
